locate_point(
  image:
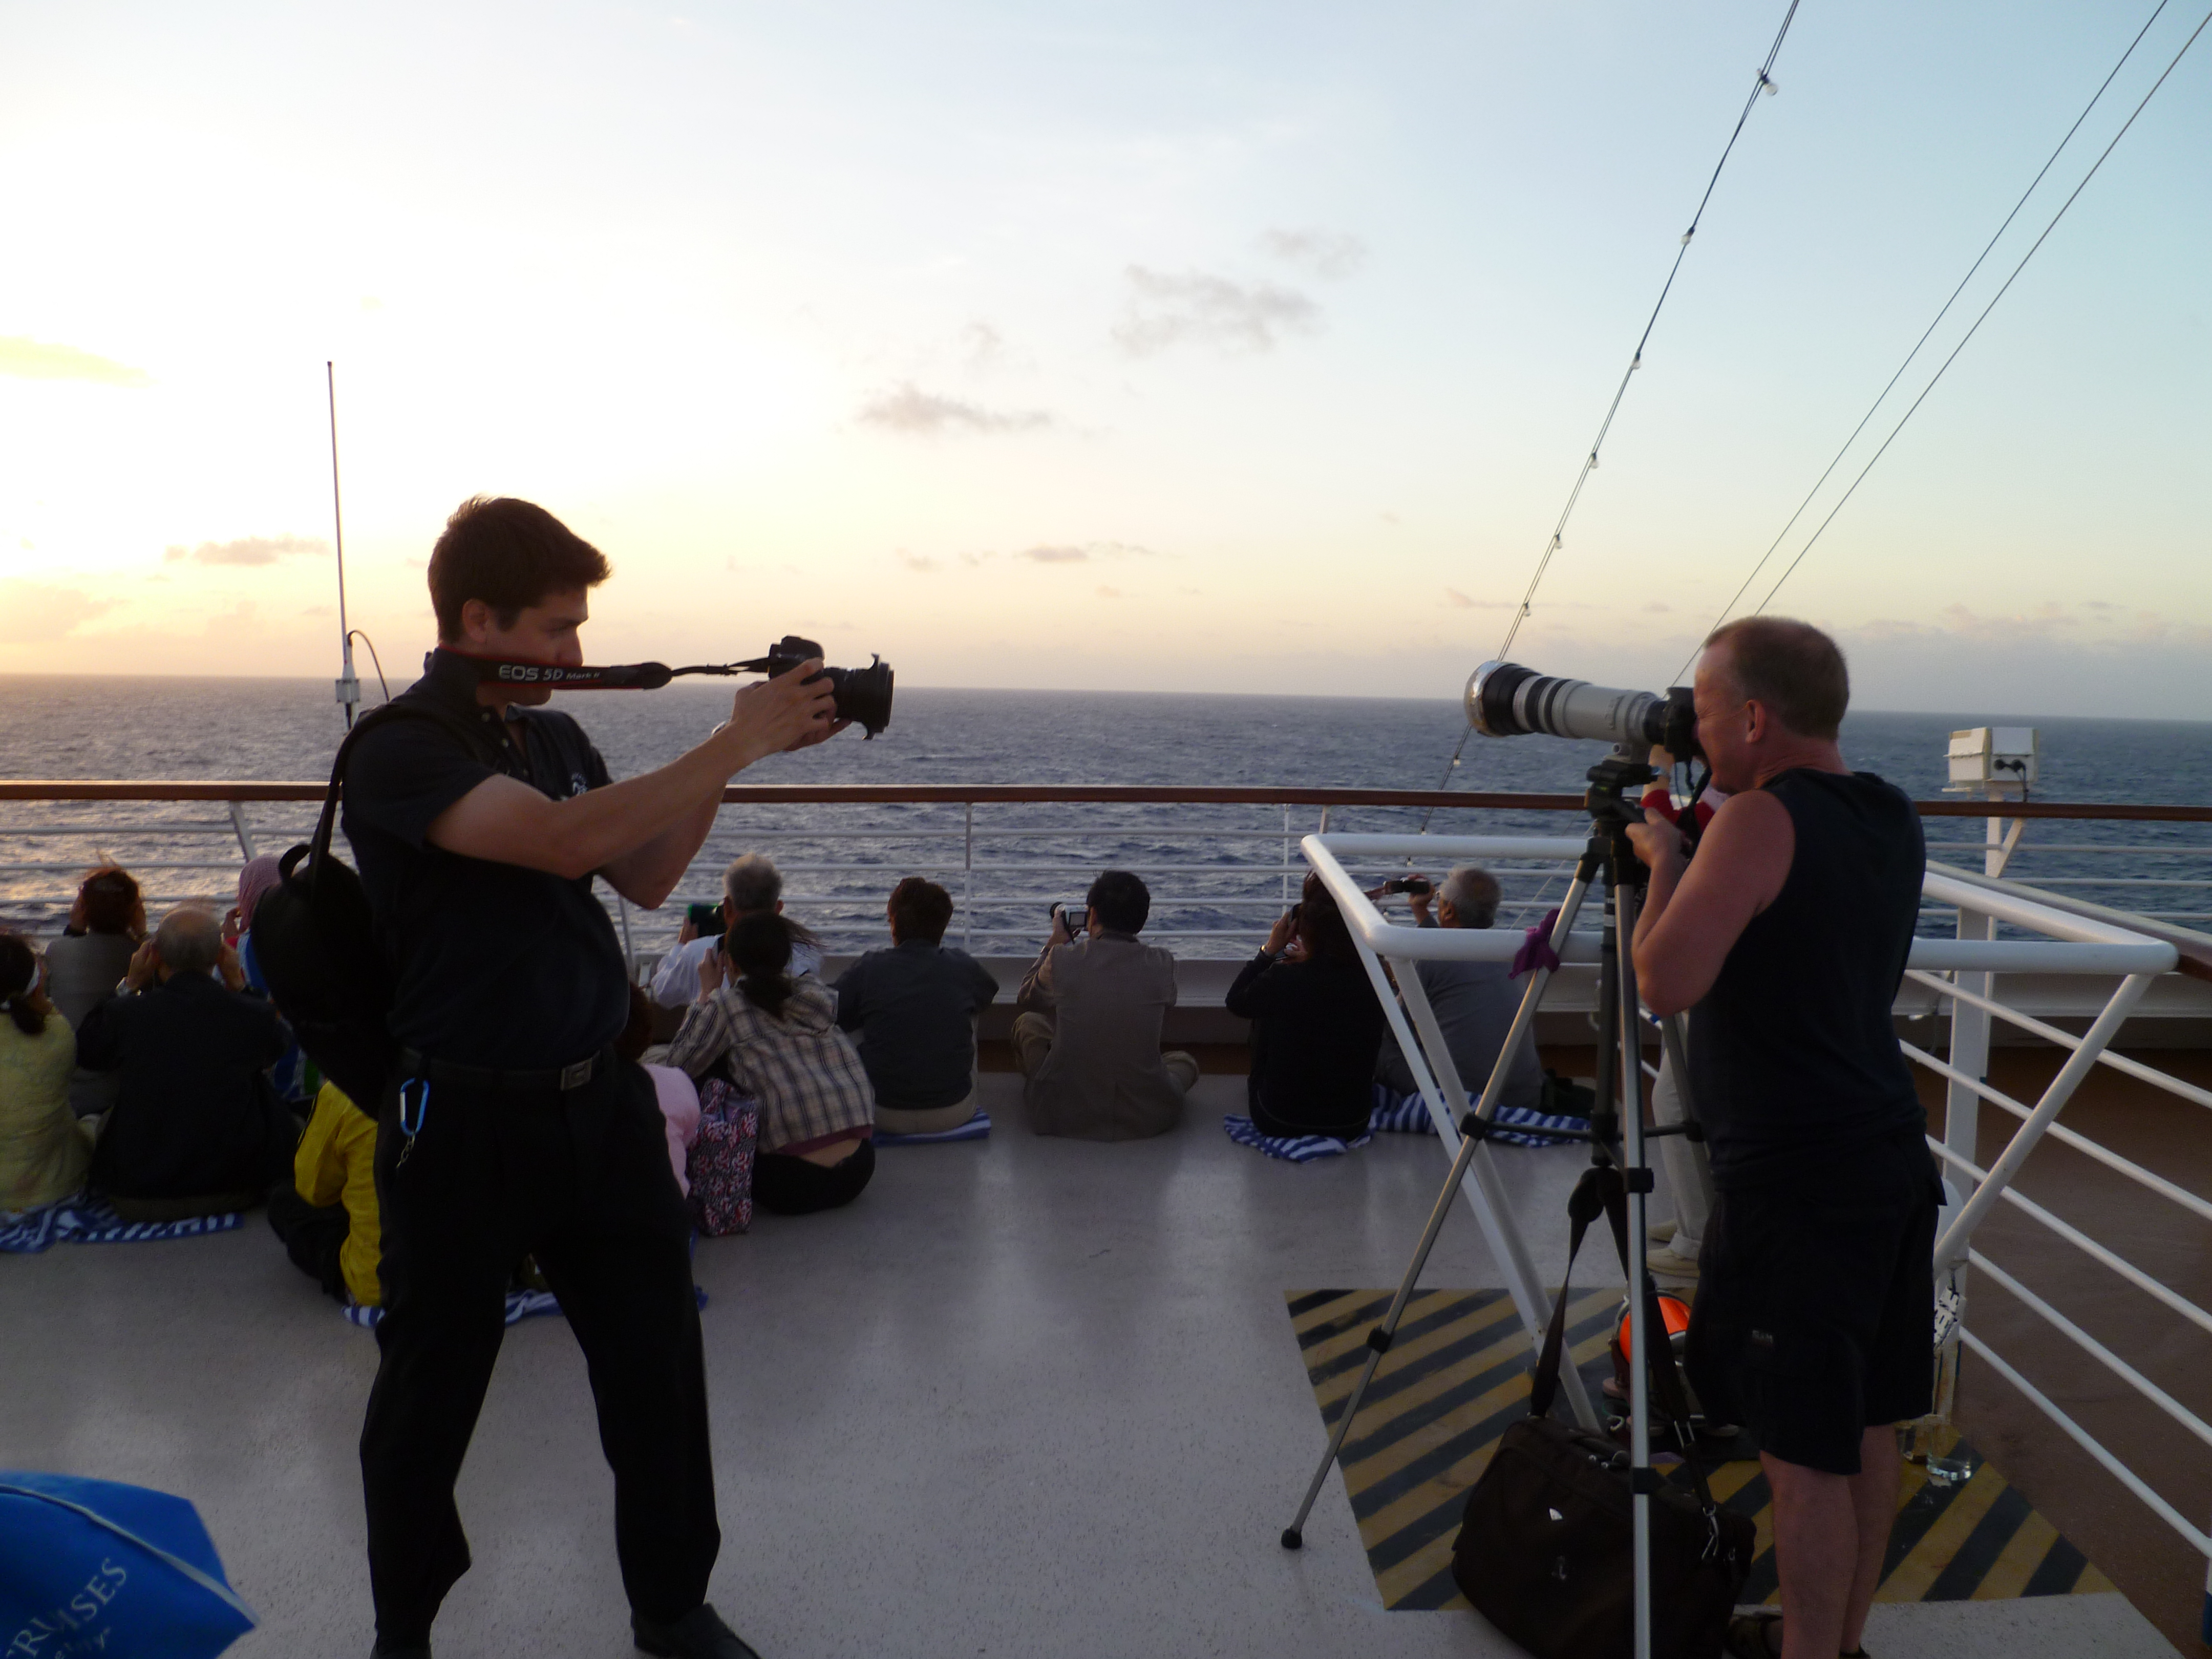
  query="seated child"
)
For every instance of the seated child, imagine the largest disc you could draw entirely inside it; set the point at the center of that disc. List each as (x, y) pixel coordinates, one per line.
(326, 1214)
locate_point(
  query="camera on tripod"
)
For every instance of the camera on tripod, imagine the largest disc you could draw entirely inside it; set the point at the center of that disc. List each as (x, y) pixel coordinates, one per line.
(1504, 700)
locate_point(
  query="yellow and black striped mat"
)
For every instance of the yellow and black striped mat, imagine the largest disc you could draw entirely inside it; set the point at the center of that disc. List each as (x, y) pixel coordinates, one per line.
(1457, 1375)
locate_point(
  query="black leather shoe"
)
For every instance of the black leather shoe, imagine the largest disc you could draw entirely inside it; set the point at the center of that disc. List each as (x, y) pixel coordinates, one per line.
(699, 1634)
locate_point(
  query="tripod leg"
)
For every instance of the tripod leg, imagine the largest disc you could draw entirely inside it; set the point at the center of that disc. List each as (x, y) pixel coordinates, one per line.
(1638, 1180)
(1378, 1340)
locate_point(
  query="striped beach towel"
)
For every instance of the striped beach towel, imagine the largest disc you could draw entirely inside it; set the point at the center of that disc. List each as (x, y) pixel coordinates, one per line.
(520, 1305)
(1296, 1149)
(85, 1219)
(975, 1128)
(1408, 1114)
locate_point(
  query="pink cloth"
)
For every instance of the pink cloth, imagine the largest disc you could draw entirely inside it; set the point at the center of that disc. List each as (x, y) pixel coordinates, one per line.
(259, 876)
(1536, 950)
(680, 1111)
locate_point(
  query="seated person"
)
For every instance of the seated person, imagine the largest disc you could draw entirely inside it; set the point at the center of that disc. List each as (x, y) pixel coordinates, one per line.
(44, 1147)
(1474, 1002)
(1088, 1037)
(196, 1128)
(106, 925)
(1315, 1023)
(776, 1036)
(327, 1212)
(911, 1011)
(751, 886)
(673, 1090)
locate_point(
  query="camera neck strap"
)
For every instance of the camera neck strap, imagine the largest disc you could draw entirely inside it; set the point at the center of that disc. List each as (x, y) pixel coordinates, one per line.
(626, 676)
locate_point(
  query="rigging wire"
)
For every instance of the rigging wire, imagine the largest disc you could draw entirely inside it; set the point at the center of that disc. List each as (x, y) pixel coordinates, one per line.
(382, 684)
(1892, 386)
(1992, 306)
(1763, 84)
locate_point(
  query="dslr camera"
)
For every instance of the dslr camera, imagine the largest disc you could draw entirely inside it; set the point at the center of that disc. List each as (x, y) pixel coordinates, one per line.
(1504, 700)
(862, 695)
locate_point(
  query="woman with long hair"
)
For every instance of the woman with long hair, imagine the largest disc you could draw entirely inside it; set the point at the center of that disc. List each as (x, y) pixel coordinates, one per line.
(1316, 1024)
(43, 1149)
(106, 924)
(775, 1034)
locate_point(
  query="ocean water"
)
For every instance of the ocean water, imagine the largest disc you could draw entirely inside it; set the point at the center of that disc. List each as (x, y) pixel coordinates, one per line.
(1216, 868)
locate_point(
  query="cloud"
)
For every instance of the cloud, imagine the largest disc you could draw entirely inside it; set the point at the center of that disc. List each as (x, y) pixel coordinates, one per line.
(918, 561)
(1459, 601)
(911, 412)
(247, 549)
(1055, 554)
(32, 613)
(37, 360)
(1325, 253)
(1166, 310)
(1110, 593)
(982, 344)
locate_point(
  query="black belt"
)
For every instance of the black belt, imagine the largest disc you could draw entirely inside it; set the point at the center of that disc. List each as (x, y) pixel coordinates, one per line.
(545, 1079)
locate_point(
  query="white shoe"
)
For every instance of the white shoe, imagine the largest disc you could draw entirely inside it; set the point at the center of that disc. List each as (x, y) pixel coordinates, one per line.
(1660, 1232)
(1667, 1262)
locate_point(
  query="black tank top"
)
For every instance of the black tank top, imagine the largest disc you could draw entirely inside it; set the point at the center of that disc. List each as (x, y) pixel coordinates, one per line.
(1792, 1059)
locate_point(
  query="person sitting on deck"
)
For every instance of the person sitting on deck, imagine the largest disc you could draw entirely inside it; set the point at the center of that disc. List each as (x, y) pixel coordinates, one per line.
(196, 1128)
(44, 1147)
(106, 925)
(1088, 1034)
(911, 1011)
(1316, 1024)
(327, 1212)
(673, 1091)
(776, 1034)
(1474, 1002)
(751, 886)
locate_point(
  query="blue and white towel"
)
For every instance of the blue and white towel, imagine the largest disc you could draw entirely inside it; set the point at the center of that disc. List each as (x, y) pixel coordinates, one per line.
(1408, 1114)
(84, 1220)
(520, 1305)
(1297, 1148)
(975, 1128)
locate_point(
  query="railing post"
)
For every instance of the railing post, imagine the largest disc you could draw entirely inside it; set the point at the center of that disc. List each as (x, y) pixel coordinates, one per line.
(967, 880)
(245, 835)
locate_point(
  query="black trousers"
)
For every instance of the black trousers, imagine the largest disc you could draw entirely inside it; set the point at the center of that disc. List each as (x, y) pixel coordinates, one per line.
(314, 1234)
(581, 1180)
(791, 1186)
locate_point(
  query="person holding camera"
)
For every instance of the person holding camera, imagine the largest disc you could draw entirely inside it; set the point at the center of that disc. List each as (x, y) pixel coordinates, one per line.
(1474, 1002)
(1786, 938)
(1316, 1024)
(751, 886)
(513, 1126)
(1087, 1035)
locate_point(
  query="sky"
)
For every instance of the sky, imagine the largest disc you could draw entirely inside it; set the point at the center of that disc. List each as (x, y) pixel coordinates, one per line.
(1226, 347)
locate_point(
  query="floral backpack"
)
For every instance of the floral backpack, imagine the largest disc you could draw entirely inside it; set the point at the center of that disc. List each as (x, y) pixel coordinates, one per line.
(719, 1166)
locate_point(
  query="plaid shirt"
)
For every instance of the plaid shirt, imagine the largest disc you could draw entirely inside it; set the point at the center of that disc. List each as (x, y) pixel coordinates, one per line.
(804, 1071)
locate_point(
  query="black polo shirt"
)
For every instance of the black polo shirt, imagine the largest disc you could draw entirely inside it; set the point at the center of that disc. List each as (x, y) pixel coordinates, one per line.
(496, 965)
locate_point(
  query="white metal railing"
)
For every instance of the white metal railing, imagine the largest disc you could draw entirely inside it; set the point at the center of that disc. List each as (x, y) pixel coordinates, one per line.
(1957, 970)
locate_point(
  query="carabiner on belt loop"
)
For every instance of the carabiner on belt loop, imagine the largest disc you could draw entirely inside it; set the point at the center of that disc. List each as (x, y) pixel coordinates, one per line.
(410, 1118)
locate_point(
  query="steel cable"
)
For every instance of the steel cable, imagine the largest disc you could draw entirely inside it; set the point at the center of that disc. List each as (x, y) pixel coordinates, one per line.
(1883, 395)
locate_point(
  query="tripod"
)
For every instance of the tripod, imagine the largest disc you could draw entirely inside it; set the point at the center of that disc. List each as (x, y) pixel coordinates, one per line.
(1616, 1137)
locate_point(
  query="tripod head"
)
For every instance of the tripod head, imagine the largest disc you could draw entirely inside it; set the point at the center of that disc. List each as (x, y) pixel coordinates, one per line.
(1612, 809)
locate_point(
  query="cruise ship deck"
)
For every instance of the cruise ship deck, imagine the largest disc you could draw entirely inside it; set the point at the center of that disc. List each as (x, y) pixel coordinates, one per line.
(1027, 1397)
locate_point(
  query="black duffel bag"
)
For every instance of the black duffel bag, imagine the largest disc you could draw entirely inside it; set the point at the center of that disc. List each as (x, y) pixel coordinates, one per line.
(1545, 1552)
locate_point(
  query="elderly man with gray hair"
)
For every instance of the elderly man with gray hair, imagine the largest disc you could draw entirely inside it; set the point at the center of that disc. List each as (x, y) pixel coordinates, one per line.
(752, 885)
(196, 1128)
(1475, 1001)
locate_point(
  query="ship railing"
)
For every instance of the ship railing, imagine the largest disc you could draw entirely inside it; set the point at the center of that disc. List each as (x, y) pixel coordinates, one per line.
(2047, 941)
(1222, 862)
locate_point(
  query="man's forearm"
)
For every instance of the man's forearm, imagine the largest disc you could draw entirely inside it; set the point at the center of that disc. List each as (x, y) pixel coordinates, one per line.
(647, 875)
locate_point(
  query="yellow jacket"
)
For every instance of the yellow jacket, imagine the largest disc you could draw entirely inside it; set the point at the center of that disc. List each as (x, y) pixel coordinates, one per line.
(337, 1162)
(43, 1148)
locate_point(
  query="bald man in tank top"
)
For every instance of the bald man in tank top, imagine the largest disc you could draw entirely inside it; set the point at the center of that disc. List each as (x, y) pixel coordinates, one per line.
(1785, 938)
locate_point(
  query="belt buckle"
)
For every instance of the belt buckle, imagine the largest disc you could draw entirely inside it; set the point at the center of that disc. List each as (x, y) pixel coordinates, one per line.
(576, 1075)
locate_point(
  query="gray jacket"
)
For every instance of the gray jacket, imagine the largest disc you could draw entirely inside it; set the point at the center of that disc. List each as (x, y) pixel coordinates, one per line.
(1104, 1079)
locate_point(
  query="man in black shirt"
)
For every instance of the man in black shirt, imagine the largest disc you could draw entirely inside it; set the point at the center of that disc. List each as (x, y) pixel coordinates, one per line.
(1786, 936)
(478, 829)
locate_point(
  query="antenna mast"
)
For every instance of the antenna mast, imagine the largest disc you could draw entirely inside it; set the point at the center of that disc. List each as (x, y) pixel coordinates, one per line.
(348, 686)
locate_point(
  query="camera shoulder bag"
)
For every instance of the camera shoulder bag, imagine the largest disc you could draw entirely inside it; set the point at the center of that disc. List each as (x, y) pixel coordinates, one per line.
(1545, 1551)
(315, 939)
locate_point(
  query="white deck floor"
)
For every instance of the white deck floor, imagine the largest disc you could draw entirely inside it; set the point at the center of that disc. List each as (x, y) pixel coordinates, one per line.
(1028, 1397)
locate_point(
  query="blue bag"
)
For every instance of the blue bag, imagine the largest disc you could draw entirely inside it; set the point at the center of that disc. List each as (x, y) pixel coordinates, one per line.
(92, 1567)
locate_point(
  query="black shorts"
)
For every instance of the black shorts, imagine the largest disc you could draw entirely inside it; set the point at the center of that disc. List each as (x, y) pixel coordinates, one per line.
(1814, 1317)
